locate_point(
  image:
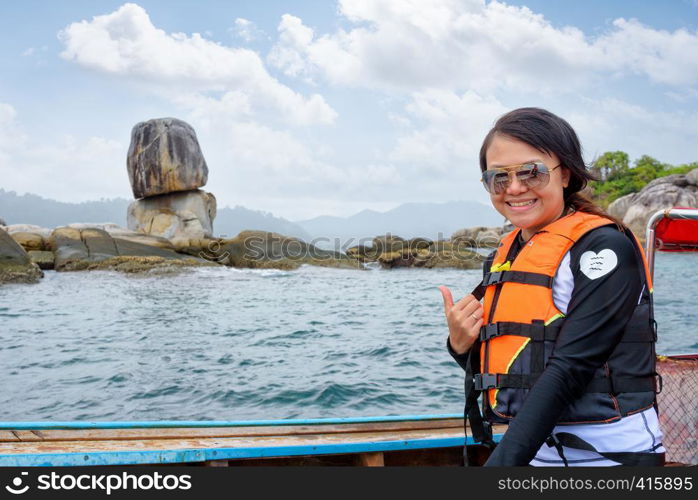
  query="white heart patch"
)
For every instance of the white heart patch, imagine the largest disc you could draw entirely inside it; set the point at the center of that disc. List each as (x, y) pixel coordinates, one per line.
(595, 265)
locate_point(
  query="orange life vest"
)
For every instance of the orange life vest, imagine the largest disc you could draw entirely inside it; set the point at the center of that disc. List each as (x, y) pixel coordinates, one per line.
(522, 323)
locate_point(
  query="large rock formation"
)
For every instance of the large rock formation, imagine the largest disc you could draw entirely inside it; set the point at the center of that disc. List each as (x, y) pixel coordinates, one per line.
(166, 167)
(261, 249)
(392, 251)
(165, 157)
(15, 264)
(635, 209)
(91, 248)
(116, 231)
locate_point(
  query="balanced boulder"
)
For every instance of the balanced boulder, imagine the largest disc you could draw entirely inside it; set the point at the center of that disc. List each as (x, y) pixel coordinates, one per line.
(165, 157)
(15, 264)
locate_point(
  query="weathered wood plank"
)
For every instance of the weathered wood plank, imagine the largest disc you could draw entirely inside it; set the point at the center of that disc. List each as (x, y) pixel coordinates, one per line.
(41, 447)
(27, 436)
(205, 432)
(8, 436)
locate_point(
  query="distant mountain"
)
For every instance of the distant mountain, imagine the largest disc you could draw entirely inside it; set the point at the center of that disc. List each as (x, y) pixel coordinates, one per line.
(430, 220)
(230, 221)
(33, 209)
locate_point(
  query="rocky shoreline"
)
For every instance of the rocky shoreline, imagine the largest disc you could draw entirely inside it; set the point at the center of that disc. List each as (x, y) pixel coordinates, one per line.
(170, 225)
(26, 250)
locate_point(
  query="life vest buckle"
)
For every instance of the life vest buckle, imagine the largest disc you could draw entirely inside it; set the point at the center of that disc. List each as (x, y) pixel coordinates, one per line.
(489, 331)
(493, 278)
(658, 384)
(484, 381)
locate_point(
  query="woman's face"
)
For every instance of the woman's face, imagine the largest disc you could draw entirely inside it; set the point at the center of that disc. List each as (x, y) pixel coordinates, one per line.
(529, 209)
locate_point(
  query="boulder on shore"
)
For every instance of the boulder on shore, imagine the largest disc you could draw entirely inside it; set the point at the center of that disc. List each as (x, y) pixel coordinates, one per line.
(261, 249)
(393, 252)
(29, 241)
(116, 231)
(91, 248)
(164, 157)
(42, 259)
(635, 209)
(15, 264)
(44, 232)
(478, 237)
(176, 216)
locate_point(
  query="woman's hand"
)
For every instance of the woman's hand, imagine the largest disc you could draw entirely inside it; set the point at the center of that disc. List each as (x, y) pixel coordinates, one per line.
(464, 320)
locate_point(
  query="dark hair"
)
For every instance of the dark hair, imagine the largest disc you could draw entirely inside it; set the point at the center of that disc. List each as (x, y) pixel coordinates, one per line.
(549, 134)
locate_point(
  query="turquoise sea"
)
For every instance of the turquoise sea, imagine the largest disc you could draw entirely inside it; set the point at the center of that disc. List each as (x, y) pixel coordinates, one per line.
(229, 344)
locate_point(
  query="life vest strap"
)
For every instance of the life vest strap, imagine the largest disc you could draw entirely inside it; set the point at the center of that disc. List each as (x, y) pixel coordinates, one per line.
(616, 385)
(627, 458)
(525, 277)
(611, 385)
(484, 381)
(537, 332)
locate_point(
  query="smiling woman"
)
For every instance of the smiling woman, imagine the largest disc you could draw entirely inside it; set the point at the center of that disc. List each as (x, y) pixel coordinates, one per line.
(562, 347)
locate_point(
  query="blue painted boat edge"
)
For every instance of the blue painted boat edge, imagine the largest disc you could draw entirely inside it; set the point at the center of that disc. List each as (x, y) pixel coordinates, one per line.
(216, 423)
(204, 454)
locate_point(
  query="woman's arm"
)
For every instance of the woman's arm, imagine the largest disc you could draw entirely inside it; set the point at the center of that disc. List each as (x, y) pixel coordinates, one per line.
(601, 304)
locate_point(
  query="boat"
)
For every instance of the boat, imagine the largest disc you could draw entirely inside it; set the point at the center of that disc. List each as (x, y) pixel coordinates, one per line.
(366, 441)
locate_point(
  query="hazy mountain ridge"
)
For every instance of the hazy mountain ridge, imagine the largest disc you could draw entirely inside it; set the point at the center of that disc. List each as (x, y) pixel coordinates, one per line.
(430, 220)
(409, 220)
(33, 209)
(230, 221)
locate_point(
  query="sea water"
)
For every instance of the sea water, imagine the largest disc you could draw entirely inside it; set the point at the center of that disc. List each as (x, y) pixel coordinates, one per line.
(232, 344)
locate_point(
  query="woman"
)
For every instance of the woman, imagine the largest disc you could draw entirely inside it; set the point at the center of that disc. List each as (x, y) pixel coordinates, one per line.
(562, 346)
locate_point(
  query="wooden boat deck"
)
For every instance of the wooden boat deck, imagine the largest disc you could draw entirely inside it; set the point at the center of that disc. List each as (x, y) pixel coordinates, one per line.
(363, 441)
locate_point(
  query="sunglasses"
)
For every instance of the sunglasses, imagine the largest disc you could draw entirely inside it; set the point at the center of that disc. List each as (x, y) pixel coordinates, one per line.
(532, 175)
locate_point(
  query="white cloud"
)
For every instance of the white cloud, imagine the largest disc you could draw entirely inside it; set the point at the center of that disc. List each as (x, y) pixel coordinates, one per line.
(250, 161)
(11, 136)
(665, 57)
(451, 131)
(613, 124)
(438, 73)
(70, 169)
(246, 30)
(126, 43)
(459, 45)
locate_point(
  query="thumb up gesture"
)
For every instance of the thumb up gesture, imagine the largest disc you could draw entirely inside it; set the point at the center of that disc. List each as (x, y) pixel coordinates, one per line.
(464, 320)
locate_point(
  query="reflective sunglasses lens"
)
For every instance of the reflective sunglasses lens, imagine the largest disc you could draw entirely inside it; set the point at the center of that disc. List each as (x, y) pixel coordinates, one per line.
(495, 181)
(533, 175)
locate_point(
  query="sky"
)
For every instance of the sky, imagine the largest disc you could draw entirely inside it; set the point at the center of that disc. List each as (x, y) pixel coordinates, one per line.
(311, 108)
